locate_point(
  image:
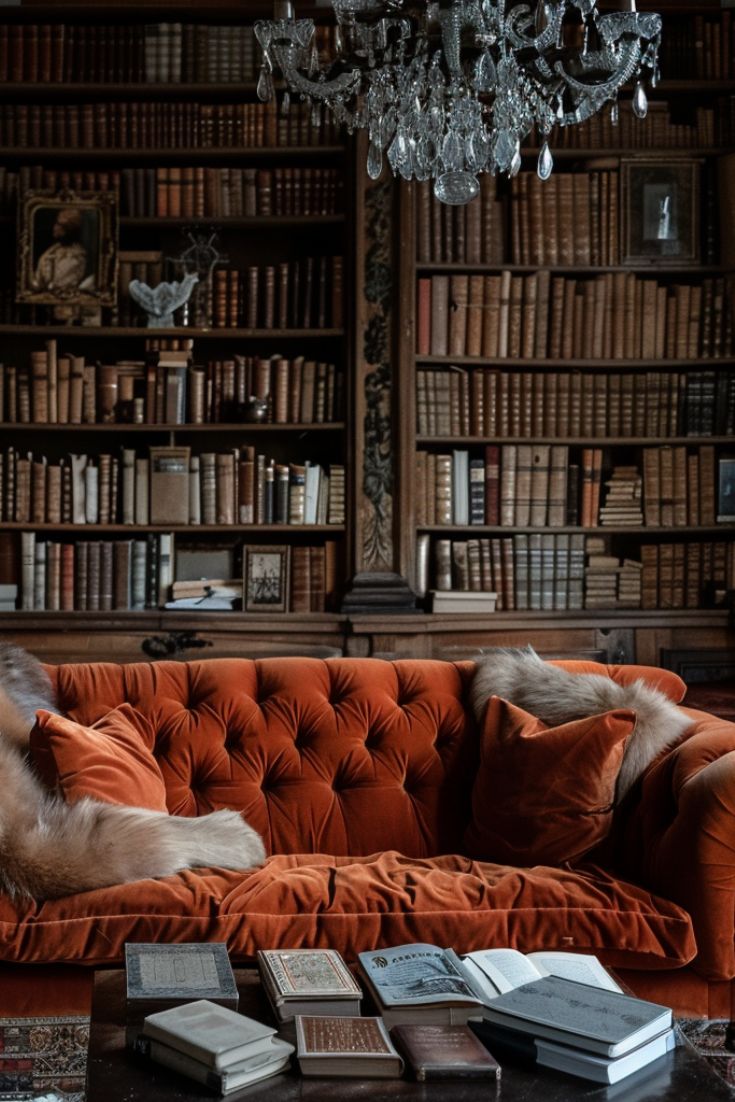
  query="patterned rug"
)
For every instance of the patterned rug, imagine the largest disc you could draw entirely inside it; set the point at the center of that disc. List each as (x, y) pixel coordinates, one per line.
(43, 1059)
(715, 1040)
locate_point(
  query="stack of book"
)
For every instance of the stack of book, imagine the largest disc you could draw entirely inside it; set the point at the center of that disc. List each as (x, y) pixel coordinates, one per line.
(588, 1031)
(556, 1009)
(623, 501)
(213, 1045)
(159, 977)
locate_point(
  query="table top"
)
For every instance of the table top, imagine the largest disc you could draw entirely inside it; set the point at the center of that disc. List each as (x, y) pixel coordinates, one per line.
(115, 1074)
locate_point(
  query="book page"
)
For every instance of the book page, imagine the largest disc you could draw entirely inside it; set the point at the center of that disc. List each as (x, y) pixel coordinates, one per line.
(416, 974)
(505, 968)
(581, 967)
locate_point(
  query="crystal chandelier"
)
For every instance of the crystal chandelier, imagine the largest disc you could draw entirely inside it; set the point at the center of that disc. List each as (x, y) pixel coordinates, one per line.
(450, 88)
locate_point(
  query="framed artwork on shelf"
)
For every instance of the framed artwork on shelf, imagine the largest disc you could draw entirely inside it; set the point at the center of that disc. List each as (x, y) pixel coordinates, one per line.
(67, 248)
(266, 572)
(660, 211)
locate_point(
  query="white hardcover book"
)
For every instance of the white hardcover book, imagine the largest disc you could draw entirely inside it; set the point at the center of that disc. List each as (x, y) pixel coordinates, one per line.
(261, 1066)
(165, 566)
(312, 480)
(78, 465)
(213, 1034)
(597, 1068)
(460, 487)
(91, 494)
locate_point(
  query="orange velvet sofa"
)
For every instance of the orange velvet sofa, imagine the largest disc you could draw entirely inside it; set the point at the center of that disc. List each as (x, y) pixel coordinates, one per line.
(358, 773)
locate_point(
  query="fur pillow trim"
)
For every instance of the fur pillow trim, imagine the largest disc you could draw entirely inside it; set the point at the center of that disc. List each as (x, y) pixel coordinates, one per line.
(556, 696)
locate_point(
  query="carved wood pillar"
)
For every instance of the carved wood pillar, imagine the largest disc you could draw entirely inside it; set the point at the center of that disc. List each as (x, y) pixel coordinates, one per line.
(380, 544)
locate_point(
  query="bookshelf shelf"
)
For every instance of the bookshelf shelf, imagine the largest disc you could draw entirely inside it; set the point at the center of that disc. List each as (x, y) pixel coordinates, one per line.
(100, 331)
(273, 222)
(576, 364)
(244, 427)
(200, 154)
(589, 269)
(184, 529)
(578, 441)
(599, 530)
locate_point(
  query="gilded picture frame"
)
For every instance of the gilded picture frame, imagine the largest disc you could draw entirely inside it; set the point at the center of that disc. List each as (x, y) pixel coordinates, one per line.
(67, 248)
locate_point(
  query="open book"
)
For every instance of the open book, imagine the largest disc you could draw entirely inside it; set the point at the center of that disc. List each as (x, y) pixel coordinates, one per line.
(495, 971)
(424, 983)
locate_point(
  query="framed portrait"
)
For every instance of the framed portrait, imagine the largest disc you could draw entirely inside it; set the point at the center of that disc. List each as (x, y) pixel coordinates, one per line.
(67, 245)
(266, 578)
(660, 211)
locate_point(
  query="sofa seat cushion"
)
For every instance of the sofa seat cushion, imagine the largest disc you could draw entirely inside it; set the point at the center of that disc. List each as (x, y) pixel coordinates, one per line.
(356, 903)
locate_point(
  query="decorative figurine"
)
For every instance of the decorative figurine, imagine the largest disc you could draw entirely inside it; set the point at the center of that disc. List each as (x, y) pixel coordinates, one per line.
(160, 302)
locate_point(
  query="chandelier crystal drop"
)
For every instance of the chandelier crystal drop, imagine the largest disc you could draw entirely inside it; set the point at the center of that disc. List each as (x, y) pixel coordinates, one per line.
(447, 89)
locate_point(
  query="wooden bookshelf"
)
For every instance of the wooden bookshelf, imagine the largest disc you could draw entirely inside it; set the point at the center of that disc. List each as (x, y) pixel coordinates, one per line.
(496, 231)
(263, 240)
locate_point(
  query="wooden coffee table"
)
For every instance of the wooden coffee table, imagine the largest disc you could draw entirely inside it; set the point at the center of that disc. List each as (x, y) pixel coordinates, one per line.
(115, 1075)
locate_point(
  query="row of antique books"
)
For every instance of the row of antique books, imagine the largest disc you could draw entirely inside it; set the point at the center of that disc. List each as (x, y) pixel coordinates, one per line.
(618, 315)
(95, 575)
(486, 402)
(535, 485)
(157, 125)
(166, 389)
(571, 218)
(228, 192)
(126, 53)
(472, 233)
(700, 47)
(102, 575)
(197, 191)
(704, 128)
(294, 294)
(560, 572)
(169, 485)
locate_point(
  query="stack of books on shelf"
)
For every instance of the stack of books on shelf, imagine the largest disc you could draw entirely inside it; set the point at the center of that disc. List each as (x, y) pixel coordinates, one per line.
(624, 497)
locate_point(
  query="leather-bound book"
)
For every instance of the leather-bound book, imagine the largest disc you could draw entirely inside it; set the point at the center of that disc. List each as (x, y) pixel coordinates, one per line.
(476, 294)
(317, 570)
(301, 579)
(440, 309)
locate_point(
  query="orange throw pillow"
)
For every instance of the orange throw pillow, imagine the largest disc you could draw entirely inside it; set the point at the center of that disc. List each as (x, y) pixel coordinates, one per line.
(111, 761)
(544, 795)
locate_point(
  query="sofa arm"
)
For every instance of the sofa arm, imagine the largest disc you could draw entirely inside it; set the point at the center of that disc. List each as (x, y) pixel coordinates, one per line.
(679, 840)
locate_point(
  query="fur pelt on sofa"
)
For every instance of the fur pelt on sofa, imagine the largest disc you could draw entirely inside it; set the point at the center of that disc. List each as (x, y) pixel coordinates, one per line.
(557, 696)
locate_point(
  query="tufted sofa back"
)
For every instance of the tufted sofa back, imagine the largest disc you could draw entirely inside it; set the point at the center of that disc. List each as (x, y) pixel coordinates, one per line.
(340, 756)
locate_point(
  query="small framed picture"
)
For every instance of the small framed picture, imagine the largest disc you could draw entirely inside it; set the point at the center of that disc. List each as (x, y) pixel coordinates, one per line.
(266, 578)
(67, 245)
(660, 211)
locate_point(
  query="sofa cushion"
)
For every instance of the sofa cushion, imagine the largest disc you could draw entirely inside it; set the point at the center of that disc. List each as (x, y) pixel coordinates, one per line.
(544, 795)
(111, 760)
(353, 904)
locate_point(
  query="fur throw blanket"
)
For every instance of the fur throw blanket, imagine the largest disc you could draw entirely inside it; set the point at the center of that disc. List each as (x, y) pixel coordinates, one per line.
(556, 696)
